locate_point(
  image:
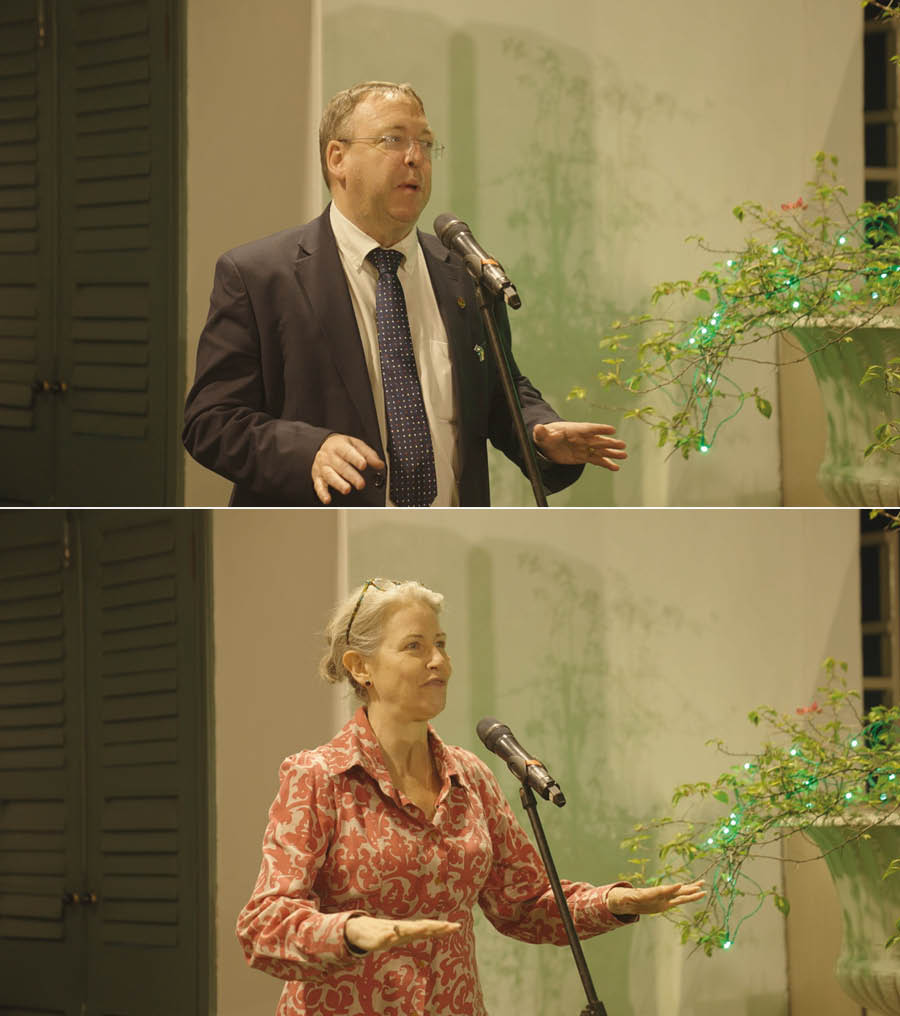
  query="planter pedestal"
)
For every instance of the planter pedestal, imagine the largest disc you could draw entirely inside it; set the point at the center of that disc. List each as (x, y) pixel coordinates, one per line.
(853, 413)
(870, 909)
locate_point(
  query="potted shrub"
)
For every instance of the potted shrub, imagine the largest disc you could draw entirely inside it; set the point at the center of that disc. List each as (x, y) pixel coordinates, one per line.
(826, 771)
(814, 270)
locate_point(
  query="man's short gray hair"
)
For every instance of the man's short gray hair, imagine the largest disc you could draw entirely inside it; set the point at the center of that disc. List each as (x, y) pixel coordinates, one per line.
(333, 124)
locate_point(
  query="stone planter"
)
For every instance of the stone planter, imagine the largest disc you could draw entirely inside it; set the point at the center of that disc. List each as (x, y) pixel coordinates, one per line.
(853, 413)
(870, 909)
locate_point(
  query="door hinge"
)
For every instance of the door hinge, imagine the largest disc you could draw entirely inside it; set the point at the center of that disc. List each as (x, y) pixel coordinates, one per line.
(41, 25)
(67, 543)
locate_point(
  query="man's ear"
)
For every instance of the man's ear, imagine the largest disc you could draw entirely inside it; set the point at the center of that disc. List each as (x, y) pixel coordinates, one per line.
(334, 161)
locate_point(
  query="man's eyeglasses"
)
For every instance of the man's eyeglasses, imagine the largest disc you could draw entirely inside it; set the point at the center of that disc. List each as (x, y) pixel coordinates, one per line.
(382, 585)
(396, 143)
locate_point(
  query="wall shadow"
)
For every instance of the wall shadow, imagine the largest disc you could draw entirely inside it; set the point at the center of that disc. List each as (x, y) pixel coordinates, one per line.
(544, 147)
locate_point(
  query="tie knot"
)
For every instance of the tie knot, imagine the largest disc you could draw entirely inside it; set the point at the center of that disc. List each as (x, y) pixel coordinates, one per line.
(386, 261)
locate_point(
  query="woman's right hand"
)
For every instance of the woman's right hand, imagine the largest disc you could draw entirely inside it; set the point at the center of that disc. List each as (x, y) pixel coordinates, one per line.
(374, 933)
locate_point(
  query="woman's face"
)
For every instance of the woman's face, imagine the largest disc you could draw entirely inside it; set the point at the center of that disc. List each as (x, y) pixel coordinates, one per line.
(410, 669)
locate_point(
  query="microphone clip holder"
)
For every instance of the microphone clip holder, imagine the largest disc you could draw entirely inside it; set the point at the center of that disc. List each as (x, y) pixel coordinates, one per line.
(594, 1006)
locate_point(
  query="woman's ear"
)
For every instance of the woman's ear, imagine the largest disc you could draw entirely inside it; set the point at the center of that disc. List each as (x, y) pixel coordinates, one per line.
(356, 664)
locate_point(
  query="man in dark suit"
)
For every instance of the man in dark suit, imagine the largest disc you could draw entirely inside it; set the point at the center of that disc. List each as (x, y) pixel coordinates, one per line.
(296, 399)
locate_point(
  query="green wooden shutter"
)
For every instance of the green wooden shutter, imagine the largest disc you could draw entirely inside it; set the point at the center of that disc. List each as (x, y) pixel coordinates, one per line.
(40, 769)
(145, 761)
(89, 263)
(27, 151)
(119, 269)
(103, 763)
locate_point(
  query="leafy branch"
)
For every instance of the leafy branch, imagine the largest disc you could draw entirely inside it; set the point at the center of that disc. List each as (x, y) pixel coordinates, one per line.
(811, 263)
(826, 761)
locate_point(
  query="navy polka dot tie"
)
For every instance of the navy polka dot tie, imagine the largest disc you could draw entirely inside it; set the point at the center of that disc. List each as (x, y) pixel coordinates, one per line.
(413, 479)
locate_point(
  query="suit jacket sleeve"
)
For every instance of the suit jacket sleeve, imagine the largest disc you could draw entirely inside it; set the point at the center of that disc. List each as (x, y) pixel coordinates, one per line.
(227, 427)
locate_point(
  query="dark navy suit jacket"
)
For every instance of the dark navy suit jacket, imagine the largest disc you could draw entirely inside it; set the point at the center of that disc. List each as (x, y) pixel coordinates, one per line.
(280, 366)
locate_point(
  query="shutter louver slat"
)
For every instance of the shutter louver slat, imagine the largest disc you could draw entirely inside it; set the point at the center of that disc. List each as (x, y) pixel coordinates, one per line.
(110, 391)
(33, 759)
(19, 1011)
(116, 212)
(26, 216)
(19, 237)
(137, 633)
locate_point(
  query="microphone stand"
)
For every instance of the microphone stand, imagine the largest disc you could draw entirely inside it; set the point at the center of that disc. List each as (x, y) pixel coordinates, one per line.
(531, 467)
(594, 1006)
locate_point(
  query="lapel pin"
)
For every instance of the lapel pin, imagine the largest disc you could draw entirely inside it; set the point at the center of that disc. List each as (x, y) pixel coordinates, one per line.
(479, 352)
(460, 302)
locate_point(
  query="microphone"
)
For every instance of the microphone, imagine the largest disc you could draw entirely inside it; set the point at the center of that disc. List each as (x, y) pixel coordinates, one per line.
(498, 738)
(455, 235)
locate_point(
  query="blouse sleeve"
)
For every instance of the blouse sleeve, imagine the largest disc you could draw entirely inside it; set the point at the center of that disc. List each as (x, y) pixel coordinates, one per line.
(517, 898)
(281, 929)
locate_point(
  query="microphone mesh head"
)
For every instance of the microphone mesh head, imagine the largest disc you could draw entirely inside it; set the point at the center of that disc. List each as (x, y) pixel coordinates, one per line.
(490, 731)
(447, 226)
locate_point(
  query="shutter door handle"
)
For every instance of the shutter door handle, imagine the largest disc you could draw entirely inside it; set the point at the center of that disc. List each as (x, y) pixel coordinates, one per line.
(84, 899)
(51, 387)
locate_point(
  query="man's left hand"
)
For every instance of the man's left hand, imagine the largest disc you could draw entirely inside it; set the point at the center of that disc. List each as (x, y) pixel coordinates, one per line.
(572, 444)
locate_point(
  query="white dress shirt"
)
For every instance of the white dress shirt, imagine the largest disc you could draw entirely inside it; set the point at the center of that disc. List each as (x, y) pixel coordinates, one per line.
(429, 340)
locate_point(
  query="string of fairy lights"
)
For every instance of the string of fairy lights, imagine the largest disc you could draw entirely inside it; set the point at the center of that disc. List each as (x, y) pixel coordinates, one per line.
(714, 337)
(838, 786)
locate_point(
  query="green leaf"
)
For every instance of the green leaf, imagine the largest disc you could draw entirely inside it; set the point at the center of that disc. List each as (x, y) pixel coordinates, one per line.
(781, 903)
(720, 795)
(702, 294)
(764, 406)
(577, 393)
(738, 213)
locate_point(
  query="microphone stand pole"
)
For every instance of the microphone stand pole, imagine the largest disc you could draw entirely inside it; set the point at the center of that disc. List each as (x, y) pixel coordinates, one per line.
(531, 467)
(594, 1006)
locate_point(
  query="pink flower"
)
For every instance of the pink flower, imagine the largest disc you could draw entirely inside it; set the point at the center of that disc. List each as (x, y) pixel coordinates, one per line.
(799, 203)
(814, 708)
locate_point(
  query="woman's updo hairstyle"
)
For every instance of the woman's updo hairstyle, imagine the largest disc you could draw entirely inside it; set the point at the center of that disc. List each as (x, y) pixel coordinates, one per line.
(358, 623)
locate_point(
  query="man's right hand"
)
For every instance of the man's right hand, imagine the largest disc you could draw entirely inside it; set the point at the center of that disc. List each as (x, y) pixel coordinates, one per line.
(339, 463)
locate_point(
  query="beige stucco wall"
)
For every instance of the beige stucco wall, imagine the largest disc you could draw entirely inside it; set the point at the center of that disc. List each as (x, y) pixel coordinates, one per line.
(672, 126)
(274, 582)
(802, 429)
(252, 112)
(616, 644)
(654, 630)
(585, 141)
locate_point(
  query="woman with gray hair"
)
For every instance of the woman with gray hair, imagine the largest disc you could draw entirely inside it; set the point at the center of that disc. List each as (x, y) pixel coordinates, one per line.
(381, 842)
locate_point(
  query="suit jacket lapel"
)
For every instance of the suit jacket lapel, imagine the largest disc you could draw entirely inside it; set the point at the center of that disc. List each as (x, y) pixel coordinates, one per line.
(321, 275)
(451, 292)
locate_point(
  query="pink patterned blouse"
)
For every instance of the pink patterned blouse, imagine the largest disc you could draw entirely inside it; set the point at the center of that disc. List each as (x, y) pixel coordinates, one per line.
(342, 841)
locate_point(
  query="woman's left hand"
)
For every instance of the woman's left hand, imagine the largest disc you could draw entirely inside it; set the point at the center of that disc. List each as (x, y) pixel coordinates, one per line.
(655, 900)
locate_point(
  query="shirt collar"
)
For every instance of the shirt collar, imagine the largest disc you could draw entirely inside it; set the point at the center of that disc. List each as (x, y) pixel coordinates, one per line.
(356, 745)
(355, 244)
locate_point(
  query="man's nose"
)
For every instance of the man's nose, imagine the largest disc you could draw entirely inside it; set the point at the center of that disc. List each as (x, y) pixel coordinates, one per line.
(414, 154)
